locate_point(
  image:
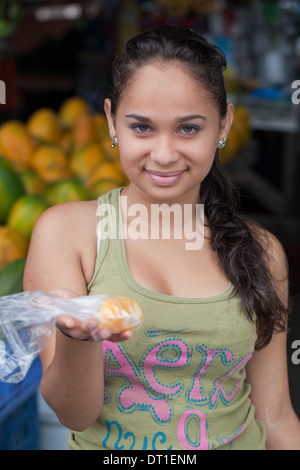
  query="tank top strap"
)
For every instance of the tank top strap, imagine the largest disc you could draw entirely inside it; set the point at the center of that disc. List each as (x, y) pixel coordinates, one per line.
(107, 227)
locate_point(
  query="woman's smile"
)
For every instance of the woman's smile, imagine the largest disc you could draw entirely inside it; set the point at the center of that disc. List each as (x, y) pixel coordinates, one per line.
(165, 178)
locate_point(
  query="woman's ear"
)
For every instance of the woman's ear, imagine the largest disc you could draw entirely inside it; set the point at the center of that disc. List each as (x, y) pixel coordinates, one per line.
(110, 117)
(227, 121)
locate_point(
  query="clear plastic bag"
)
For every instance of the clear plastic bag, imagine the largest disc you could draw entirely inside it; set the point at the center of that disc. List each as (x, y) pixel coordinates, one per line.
(28, 320)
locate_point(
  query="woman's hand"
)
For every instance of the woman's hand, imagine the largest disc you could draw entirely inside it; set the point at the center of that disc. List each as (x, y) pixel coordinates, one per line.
(85, 330)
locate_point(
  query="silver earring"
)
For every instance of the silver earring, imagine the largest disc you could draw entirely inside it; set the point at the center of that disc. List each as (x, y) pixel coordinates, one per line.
(221, 143)
(114, 142)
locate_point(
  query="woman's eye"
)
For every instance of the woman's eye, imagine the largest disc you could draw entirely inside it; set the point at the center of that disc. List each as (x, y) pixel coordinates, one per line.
(190, 129)
(142, 128)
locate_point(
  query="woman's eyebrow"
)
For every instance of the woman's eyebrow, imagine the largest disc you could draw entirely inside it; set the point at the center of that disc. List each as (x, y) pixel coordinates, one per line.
(138, 117)
(189, 117)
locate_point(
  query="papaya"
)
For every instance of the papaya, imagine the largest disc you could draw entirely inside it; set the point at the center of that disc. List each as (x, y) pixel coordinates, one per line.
(25, 212)
(13, 245)
(44, 126)
(11, 188)
(85, 161)
(50, 163)
(11, 277)
(64, 191)
(71, 110)
(16, 144)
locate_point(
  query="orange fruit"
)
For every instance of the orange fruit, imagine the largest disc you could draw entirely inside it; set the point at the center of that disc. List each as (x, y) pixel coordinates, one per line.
(86, 160)
(105, 171)
(44, 126)
(102, 187)
(16, 144)
(120, 313)
(13, 245)
(25, 212)
(11, 187)
(50, 163)
(64, 191)
(71, 110)
(32, 182)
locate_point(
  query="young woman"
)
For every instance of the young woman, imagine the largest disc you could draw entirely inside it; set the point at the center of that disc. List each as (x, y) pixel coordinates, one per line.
(207, 369)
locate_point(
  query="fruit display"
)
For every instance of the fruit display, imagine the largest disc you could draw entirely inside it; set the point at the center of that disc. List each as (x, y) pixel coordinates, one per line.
(54, 157)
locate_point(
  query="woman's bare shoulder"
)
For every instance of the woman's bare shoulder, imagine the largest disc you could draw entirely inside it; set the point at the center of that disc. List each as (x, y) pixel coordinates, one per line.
(64, 240)
(66, 218)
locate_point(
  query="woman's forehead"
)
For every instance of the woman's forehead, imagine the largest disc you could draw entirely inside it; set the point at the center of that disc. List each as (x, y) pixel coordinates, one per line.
(157, 85)
(164, 77)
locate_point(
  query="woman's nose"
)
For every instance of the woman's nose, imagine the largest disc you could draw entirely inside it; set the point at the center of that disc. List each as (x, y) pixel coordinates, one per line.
(163, 151)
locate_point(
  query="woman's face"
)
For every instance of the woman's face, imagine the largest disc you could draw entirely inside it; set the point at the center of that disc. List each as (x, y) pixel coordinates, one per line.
(168, 128)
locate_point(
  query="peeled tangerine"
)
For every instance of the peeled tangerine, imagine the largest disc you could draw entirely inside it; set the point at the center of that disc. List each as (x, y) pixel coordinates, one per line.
(120, 313)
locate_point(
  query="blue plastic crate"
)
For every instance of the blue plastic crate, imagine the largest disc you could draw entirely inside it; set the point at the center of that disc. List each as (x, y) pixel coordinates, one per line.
(13, 395)
(20, 430)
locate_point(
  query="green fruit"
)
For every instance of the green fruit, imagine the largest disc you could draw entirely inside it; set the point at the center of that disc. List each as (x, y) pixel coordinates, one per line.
(11, 188)
(11, 277)
(65, 191)
(25, 212)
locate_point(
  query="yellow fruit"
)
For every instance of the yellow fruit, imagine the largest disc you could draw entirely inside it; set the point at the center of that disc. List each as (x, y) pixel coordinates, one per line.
(50, 163)
(66, 142)
(102, 187)
(13, 245)
(44, 126)
(120, 313)
(71, 110)
(25, 212)
(84, 131)
(64, 191)
(105, 171)
(86, 160)
(32, 182)
(11, 188)
(16, 144)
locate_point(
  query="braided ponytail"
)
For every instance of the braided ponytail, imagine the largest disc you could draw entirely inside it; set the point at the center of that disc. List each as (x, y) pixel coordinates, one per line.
(241, 255)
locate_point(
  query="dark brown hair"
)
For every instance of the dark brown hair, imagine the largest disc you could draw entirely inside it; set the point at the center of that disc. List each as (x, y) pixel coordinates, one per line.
(241, 255)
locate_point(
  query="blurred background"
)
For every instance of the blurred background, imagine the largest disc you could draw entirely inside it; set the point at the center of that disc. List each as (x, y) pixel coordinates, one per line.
(55, 60)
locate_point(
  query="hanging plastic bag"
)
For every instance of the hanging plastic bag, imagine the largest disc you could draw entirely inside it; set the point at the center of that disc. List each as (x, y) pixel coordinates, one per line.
(28, 320)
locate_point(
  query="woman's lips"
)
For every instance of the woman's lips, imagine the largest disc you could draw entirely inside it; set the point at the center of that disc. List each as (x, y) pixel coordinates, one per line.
(162, 178)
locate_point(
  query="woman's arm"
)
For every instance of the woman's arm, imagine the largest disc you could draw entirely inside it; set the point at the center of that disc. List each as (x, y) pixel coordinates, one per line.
(62, 256)
(268, 376)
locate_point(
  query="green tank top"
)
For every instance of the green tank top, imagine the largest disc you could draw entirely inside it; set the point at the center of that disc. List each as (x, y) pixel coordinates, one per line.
(179, 383)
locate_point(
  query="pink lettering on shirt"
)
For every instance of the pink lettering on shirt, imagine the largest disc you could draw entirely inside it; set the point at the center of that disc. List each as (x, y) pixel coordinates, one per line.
(133, 394)
(169, 354)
